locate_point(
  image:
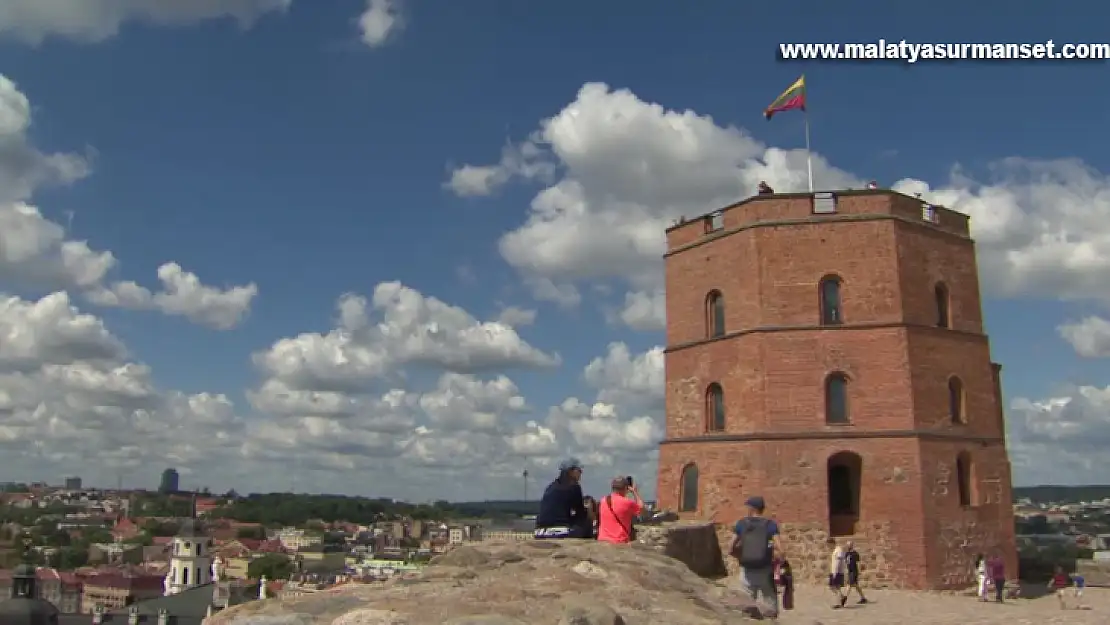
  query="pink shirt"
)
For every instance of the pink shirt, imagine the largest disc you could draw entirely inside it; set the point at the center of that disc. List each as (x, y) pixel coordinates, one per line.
(614, 522)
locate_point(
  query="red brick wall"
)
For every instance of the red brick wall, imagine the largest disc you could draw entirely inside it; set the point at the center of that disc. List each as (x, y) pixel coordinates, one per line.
(774, 360)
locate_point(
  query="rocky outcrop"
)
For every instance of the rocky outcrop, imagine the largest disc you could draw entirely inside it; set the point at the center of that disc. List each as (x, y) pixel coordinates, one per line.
(526, 583)
(695, 544)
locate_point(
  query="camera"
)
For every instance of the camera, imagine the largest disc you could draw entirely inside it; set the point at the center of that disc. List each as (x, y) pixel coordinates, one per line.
(628, 479)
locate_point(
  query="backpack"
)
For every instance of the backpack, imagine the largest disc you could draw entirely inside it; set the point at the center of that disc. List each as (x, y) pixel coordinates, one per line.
(754, 551)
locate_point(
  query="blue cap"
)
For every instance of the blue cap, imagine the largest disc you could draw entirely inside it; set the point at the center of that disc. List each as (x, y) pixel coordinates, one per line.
(569, 464)
(755, 503)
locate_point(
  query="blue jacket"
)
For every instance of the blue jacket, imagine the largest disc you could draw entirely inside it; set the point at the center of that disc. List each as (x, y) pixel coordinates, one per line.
(561, 506)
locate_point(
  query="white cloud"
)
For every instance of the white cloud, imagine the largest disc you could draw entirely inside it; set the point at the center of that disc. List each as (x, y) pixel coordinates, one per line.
(412, 330)
(515, 317)
(35, 253)
(22, 167)
(1061, 440)
(623, 378)
(629, 168)
(32, 21)
(51, 332)
(645, 311)
(355, 397)
(183, 295)
(380, 20)
(70, 399)
(1089, 336)
(622, 427)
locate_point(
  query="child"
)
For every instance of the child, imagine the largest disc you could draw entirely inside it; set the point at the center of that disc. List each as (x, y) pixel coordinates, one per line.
(1059, 582)
(1080, 584)
(786, 581)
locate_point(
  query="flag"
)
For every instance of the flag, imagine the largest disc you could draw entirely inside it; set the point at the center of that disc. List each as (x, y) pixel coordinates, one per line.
(792, 98)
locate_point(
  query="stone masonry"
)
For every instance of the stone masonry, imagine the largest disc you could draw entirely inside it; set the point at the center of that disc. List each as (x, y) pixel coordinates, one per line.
(929, 473)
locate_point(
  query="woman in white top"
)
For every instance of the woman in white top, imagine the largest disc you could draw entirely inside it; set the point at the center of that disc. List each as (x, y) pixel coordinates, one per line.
(981, 575)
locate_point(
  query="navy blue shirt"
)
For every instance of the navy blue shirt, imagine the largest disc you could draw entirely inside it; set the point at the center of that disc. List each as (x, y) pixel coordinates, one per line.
(561, 506)
(772, 528)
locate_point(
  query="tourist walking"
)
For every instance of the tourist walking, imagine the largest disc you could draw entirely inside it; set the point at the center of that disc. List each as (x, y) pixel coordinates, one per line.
(852, 567)
(754, 544)
(996, 570)
(981, 576)
(836, 574)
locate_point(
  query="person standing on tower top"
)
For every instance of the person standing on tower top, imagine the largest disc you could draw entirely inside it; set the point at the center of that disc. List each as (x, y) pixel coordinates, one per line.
(754, 546)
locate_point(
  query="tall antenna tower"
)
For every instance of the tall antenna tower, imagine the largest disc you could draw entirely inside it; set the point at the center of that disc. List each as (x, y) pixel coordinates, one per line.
(525, 476)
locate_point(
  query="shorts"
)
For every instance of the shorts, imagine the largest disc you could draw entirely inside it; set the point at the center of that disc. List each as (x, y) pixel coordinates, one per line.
(836, 581)
(853, 578)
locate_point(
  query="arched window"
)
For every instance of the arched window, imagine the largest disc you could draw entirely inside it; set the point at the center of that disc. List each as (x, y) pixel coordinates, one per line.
(957, 409)
(836, 399)
(831, 313)
(964, 483)
(688, 497)
(715, 408)
(715, 314)
(940, 294)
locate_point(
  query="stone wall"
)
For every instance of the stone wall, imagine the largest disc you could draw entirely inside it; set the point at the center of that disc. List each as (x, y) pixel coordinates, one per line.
(693, 543)
(956, 533)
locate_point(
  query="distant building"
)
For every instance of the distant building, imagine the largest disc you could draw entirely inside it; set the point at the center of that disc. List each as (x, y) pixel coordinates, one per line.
(190, 560)
(171, 481)
(73, 483)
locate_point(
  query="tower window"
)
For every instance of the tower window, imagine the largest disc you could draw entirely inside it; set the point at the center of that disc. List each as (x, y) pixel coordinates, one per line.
(688, 497)
(715, 408)
(831, 313)
(715, 314)
(964, 483)
(944, 315)
(836, 399)
(957, 408)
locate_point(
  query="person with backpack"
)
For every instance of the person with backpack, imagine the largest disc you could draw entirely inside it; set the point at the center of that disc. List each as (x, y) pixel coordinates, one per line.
(754, 546)
(616, 512)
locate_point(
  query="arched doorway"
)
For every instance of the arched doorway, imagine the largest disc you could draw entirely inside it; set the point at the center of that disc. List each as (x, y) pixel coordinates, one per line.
(844, 471)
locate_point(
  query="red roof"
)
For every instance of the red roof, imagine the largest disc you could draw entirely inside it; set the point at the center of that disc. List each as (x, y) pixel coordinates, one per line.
(161, 540)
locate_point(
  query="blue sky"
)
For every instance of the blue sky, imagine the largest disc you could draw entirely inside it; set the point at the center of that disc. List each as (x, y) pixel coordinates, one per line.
(295, 154)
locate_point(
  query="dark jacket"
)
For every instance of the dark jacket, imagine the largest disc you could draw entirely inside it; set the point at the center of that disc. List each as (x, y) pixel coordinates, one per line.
(562, 506)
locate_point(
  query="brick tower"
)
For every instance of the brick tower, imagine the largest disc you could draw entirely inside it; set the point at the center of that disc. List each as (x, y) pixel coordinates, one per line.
(826, 351)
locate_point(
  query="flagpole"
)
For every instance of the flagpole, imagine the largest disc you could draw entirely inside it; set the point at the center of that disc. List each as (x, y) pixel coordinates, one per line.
(809, 153)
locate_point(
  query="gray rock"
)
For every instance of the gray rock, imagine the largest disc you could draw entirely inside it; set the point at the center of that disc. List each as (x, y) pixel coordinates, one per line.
(590, 614)
(371, 617)
(484, 619)
(274, 619)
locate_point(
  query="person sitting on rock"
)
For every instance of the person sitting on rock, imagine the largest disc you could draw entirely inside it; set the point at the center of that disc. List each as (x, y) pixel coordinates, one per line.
(562, 508)
(618, 512)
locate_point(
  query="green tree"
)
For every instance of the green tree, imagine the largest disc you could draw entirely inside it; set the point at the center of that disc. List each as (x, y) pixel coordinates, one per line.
(142, 538)
(69, 558)
(270, 565)
(253, 533)
(96, 535)
(155, 527)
